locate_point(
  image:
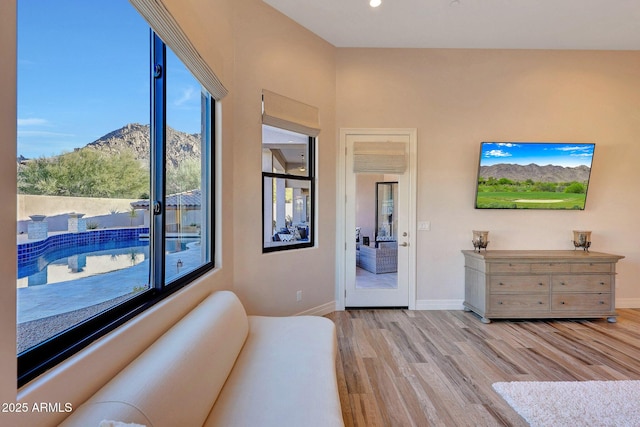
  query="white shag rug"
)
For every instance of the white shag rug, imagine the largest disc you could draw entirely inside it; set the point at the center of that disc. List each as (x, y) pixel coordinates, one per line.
(574, 403)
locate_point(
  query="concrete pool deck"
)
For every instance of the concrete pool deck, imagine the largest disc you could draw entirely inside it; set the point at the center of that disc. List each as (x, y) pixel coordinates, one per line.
(37, 302)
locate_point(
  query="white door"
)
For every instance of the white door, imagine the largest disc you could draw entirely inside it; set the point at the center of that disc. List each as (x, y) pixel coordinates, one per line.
(378, 204)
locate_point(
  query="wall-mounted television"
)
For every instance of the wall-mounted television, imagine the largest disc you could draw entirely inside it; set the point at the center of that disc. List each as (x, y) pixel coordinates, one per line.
(533, 175)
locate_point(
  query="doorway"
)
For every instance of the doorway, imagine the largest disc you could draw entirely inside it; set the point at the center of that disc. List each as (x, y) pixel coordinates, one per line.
(376, 222)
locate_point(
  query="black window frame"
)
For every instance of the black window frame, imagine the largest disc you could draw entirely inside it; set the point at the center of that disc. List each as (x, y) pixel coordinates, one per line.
(310, 177)
(45, 355)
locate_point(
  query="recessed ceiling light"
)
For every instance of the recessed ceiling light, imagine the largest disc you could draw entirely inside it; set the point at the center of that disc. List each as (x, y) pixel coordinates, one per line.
(375, 3)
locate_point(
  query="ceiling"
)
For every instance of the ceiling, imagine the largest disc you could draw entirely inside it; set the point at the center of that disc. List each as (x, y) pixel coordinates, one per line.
(490, 24)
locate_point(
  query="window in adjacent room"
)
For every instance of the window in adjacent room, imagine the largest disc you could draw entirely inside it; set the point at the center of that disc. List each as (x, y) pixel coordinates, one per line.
(287, 175)
(115, 173)
(289, 131)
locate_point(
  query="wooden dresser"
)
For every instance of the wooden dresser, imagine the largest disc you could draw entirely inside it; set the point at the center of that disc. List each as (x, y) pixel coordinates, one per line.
(540, 284)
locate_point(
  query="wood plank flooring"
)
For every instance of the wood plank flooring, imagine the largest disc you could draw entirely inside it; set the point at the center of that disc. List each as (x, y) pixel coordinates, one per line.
(436, 368)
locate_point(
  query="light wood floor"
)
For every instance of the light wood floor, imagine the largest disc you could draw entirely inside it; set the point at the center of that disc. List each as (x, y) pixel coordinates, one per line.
(436, 368)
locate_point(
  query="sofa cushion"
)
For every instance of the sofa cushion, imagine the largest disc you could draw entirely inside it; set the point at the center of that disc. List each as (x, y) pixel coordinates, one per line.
(178, 378)
(284, 376)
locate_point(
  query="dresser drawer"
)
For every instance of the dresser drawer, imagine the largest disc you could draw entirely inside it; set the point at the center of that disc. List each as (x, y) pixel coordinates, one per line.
(592, 267)
(581, 302)
(551, 267)
(519, 284)
(518, 304)
(581, 283)
(511, 267)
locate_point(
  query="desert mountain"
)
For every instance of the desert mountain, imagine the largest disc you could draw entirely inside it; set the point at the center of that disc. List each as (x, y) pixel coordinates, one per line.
(537, 173)
(134, 137)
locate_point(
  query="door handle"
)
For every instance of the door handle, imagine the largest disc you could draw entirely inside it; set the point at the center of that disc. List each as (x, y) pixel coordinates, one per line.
(405, 244)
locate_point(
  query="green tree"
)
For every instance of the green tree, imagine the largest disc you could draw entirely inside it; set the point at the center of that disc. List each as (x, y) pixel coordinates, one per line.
(185, 177)
(575, 188)
(85, 173)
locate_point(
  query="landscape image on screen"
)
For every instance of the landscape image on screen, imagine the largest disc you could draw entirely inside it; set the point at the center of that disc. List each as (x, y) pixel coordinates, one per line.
(533, 175)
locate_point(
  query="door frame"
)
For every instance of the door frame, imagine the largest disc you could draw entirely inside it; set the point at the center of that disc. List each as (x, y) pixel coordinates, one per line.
(342, 233)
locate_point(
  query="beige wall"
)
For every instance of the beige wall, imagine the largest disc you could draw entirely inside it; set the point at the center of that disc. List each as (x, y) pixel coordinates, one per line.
(274, 53)
(366, 204)
(57, 205)
(8, 113)
(459, 98)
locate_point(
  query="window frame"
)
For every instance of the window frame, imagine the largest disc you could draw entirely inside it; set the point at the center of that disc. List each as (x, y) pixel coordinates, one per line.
(45, 355)
(311, 178)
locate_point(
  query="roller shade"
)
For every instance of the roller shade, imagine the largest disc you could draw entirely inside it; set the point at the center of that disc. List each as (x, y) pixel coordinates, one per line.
(161, 21)
(379, 157)
(286, 113)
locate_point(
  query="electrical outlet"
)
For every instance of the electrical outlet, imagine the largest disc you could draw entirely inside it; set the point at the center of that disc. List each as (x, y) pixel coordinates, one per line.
(299, 296)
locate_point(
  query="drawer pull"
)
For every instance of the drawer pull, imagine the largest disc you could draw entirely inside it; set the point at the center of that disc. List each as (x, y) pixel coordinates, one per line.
(562, 283)
(602, 283)
(499, 302)
(540, 284)
(562, 302)
(501, 284)
(601, 302)
(540, 302)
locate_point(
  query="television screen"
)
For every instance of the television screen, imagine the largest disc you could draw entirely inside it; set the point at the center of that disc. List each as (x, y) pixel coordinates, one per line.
(533, 175)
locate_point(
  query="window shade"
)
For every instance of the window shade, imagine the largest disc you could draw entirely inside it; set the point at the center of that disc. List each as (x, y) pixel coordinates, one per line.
(286, 113)
(161, 21)
(379, 157)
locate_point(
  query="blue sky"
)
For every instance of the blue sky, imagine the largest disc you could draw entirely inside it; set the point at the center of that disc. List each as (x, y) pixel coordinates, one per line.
(540, 153)
(83, 71)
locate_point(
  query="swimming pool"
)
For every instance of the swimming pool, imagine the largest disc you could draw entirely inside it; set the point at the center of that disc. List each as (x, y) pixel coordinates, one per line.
(76, 262)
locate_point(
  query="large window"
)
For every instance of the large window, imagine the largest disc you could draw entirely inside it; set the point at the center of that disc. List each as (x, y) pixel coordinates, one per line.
(115, 174)
(287, 189)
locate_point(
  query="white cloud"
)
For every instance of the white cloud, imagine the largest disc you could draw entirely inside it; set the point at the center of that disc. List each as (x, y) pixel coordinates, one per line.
(29, 133)
(583, 148)
(187, 95)
(32, 122)
(497, 153)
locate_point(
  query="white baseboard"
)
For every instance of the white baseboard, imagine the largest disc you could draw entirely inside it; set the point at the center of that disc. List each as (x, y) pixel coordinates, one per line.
(439, 304)
(320, 310)
(446, 304)
(627, 302)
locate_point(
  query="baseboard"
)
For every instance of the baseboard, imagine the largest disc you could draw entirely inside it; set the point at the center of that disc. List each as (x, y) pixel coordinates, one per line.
(627, 302)
(446, 304)
(439, 304)
(320, 310)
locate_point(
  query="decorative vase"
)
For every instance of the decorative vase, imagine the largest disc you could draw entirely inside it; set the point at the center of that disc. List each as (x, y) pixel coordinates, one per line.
(582, 239)
(480, 240)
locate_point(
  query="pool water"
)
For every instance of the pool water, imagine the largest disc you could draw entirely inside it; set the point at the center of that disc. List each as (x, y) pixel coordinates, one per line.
(77, 262)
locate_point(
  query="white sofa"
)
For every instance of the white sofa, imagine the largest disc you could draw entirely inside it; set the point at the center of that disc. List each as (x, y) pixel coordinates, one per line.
(219, 367)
